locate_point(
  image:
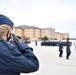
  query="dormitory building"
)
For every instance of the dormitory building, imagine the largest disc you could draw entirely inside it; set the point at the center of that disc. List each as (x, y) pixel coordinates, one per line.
(35, 33)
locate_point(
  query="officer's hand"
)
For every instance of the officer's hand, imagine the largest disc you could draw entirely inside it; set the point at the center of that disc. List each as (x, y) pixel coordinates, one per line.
(23, 46)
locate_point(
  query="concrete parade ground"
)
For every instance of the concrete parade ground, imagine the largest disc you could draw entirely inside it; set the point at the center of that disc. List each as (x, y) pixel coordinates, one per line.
(51, 63)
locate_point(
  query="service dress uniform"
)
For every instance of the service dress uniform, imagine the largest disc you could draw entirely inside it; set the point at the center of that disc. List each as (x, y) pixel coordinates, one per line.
(16, 59)
(60, 49)
(68, 51)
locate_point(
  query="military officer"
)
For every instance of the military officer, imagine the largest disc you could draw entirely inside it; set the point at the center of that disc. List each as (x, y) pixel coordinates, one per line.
(14, 58)
(60, 49)
(68, 51)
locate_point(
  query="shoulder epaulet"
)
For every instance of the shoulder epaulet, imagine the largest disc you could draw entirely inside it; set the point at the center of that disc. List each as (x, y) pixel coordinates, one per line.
(9, 45)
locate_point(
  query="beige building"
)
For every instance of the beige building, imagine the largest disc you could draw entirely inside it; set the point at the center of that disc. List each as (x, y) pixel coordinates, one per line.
(48, 32)
(34, 33)
(58, 36)
(61, 36)
(17, 31)
(65, 36)
(27, 32)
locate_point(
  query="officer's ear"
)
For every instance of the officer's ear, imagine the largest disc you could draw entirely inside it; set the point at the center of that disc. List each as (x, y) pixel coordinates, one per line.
(8, 35)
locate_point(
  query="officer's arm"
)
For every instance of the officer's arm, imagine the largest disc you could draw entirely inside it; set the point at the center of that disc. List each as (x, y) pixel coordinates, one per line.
(22, 63)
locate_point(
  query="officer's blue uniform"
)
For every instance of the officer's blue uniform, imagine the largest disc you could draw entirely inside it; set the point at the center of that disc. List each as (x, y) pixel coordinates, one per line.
(60, 49)
(16, 59)
(14, 62)
(68, 51)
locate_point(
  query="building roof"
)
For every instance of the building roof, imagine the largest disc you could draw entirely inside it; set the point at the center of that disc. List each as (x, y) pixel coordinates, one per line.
(27, 27)
(46, 28)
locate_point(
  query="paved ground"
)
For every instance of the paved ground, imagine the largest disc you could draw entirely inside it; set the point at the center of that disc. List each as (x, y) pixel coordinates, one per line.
(51, 64)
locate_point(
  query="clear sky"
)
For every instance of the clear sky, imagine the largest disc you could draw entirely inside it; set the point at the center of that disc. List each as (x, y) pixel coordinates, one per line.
(57, 14)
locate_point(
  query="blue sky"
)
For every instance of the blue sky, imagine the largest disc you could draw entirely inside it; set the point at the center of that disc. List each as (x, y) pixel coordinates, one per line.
(58, 14)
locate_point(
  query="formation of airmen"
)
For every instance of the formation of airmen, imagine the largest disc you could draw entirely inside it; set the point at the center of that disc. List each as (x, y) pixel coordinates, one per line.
(61, 45)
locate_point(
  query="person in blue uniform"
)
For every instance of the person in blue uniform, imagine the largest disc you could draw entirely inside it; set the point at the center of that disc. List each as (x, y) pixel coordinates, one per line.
(60, 49)
(14, 58)
(36, 42)
(68, 51)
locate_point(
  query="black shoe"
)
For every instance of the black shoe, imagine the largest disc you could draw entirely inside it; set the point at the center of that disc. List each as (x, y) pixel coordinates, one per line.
(60, 56)
(67, 58)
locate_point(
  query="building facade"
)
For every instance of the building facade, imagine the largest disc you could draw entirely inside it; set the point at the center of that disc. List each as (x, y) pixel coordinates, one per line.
(32, 33)
(65, 36)
(48, 32)
(58, 36)
(17, 31)
(61, 36)
(35, 33)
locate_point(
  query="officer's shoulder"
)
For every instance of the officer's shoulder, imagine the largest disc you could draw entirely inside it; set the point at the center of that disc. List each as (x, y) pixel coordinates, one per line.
(9, 45)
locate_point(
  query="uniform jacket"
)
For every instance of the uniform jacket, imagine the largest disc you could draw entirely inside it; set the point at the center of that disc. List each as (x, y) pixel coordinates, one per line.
(14, 62)
(60, 47)
(68, 48)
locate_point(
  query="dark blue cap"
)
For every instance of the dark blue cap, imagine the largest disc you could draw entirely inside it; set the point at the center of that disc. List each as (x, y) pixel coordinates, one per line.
(5, 20)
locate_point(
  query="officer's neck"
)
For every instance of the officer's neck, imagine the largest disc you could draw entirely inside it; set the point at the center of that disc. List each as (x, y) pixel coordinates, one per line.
(4, 37)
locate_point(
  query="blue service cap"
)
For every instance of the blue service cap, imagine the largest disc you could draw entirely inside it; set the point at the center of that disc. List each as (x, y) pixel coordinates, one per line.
(5, 20)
